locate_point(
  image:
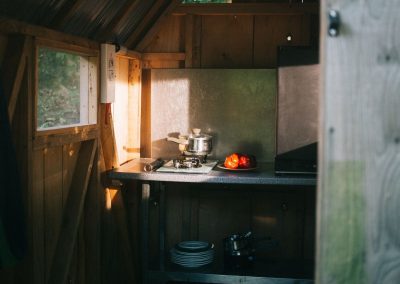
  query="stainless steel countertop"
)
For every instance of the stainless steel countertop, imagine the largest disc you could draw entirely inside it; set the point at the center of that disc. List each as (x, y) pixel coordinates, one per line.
(264, 174)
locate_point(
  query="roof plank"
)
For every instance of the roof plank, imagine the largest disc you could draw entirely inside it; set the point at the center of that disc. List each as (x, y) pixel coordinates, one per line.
(151, 22)
(65, 13)
(120, 17)
(144, 24)
(156, 26)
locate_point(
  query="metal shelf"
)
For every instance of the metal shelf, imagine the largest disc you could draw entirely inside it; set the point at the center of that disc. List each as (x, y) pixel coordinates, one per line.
(164, 276)
(269, 272)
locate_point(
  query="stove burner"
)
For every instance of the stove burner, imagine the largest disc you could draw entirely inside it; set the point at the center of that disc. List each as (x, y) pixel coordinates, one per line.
(202, 158)
(185, 162)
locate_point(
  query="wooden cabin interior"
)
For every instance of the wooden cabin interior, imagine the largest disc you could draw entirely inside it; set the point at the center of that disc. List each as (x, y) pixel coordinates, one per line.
(147, 69)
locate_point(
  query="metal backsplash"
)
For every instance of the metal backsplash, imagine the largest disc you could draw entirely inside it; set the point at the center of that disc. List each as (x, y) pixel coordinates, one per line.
(298, 90)
(236, 106)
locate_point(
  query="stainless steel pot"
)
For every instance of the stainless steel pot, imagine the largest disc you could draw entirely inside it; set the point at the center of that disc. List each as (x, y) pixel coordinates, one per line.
(195, 143)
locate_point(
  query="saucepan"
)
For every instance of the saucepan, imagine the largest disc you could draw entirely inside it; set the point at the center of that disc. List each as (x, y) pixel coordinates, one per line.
(195, 143)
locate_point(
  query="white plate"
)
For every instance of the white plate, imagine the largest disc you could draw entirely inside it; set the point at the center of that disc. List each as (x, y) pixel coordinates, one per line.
(184, 253)
(193, 245)
(192, 264)
(179, 258)
(221, 166)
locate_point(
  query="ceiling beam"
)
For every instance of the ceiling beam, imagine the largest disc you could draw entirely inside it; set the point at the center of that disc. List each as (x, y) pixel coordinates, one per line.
(214, 9)
(9, 27)
(164, 56)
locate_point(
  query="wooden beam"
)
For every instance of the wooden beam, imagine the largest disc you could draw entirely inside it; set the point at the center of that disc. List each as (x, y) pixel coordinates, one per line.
(156, 26)
(65, 13)
(22, 136)
(8, 27)
(237, 9)
(82, 50)
(13, 70)
(164, 56)
(72, 213)
(119, 18)
(134, 90)
(131, 54)
(107, 138)
(145, 124)
(53, 140)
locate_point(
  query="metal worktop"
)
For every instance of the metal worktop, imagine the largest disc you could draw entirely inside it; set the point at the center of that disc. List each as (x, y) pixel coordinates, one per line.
(264, 174)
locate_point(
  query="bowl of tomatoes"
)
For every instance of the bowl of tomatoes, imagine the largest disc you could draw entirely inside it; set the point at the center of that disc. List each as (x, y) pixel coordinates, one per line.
(239, 162)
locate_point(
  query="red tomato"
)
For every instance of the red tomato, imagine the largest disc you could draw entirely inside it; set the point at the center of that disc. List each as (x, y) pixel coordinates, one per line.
(244, 162)
(232, 161)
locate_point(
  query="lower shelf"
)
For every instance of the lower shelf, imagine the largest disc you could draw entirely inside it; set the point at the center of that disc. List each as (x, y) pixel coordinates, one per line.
(274, 272)
(164, 276)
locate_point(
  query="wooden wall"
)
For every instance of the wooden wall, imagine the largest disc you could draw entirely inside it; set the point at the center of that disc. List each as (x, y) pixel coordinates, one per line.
(59, 175)
(278, 217)
(230, 41)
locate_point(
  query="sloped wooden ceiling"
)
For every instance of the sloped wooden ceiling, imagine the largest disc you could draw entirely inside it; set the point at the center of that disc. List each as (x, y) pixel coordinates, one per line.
(130, 23)
(100, 20)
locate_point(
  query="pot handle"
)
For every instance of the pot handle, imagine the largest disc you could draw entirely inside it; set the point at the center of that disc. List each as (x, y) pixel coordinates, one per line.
(196, 131)
(179, 141)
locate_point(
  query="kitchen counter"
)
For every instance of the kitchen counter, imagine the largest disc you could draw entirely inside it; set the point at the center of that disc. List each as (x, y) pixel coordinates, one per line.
(264, 174)
(162, 273)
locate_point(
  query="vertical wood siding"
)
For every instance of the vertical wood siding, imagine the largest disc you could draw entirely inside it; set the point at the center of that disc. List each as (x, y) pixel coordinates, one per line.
(358, 232)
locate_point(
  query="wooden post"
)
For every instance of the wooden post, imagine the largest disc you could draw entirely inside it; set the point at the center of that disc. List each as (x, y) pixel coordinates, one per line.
(13, 70)
(359, 196)
(145, 124)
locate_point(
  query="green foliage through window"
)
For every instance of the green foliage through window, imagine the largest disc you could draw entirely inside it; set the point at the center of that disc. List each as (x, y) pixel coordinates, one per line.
(59, 88)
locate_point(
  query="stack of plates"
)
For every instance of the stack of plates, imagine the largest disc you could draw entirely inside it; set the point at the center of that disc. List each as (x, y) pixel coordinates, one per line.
(192, 254)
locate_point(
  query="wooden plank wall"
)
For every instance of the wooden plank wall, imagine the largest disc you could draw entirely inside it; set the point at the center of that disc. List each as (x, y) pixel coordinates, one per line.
(230, 41)
(47, 164)
(281, 218)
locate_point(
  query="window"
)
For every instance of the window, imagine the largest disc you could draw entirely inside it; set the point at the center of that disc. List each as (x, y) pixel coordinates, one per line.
(67, 89)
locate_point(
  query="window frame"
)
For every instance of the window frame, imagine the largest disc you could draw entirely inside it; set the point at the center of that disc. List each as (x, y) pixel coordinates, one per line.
(93, 57)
